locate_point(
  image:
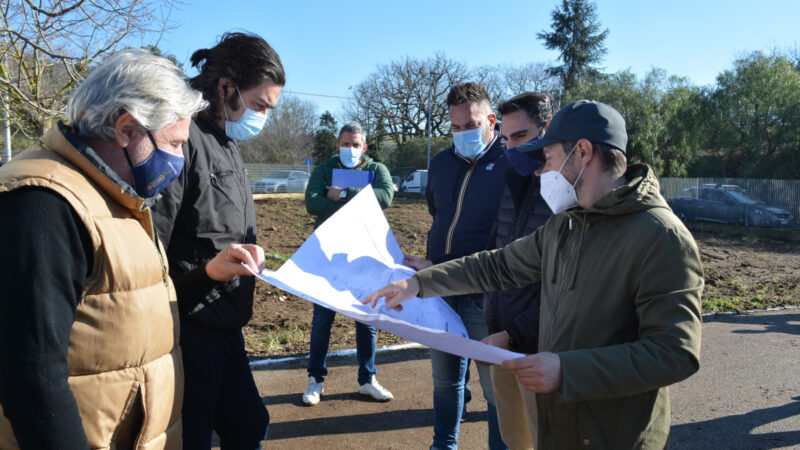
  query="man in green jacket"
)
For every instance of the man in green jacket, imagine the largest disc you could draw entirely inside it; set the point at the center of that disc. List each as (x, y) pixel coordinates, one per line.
(323, 198)
(621, 282)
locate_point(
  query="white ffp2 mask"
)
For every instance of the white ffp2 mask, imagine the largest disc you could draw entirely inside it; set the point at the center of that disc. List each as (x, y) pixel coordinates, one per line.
(557, 191)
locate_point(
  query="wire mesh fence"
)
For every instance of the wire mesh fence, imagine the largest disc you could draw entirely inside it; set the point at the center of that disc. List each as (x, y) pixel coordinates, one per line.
(258, 171)
(735, 201)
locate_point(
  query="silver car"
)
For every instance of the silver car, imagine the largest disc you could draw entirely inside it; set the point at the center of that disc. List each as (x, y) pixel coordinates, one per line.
(281, 181)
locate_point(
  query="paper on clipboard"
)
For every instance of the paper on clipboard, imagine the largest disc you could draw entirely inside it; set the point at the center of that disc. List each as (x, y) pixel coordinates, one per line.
(345, 178)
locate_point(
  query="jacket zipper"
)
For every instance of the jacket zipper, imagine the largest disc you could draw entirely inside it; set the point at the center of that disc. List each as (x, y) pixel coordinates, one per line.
(158, 250)
(561, 288)
(524, 214)
(460, 203)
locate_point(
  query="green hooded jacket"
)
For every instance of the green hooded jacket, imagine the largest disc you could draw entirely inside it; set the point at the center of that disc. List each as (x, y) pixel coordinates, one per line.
(319, 205)
(620, 305)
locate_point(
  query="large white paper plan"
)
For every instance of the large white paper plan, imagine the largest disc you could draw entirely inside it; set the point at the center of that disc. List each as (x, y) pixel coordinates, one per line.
(353, 254)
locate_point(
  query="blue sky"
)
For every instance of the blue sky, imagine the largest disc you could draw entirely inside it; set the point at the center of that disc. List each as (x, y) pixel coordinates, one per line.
(326, 47)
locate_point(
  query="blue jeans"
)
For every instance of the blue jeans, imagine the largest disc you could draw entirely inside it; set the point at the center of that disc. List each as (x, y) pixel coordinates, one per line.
(448, 381)
(366, 338)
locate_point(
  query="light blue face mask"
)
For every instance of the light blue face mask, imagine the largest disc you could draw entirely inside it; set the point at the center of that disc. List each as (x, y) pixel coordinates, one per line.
(469, 143)
(248, 126)
(349, 156)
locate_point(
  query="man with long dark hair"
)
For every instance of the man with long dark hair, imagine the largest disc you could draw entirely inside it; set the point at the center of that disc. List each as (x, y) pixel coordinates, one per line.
(207, 208)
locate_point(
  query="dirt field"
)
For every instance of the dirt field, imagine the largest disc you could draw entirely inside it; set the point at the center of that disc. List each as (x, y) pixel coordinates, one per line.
(742, 273)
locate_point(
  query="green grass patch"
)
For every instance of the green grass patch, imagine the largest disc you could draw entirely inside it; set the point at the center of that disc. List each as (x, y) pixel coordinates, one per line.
(276, 341)
(719, 304)
(274, 260)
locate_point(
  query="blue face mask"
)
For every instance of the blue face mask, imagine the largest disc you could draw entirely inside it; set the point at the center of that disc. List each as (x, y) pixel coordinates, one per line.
(349, 156)
(469, 143)
(520, 160)
(156, 172)
(248, 126)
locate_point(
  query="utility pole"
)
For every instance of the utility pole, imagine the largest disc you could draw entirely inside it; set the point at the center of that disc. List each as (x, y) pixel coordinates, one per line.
(7, 117)
(430, 104)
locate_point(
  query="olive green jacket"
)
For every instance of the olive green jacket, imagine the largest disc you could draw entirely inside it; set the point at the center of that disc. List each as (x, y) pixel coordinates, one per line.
(317, 202)
(621, 285)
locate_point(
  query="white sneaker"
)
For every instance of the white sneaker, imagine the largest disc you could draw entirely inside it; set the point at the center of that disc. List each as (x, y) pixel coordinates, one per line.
(375, 390)
(313, 391)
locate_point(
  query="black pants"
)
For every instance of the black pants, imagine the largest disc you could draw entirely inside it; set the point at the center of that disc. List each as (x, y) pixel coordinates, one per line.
(220, 393)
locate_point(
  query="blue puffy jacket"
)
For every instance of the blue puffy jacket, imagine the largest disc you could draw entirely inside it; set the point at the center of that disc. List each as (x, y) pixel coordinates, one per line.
(463, 197)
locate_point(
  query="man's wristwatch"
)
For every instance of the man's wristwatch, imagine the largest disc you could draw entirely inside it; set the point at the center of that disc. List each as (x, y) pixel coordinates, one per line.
(343, 194)
(512, 343)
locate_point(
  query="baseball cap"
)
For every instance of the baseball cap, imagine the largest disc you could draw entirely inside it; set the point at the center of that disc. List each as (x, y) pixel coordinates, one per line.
(584, 119)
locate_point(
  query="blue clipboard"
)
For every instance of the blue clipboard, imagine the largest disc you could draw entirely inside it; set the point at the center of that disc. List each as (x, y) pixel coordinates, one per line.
(344, 178)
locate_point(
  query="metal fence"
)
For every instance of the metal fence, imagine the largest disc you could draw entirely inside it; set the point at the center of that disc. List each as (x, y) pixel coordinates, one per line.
(259, 171)
(736, 201)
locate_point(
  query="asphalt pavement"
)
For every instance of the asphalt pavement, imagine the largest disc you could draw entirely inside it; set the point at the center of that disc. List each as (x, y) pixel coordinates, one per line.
(745, 396)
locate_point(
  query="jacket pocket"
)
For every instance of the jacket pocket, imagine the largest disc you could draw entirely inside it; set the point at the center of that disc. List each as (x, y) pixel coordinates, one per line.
(131, 421)
(223, 181)
(590, 427)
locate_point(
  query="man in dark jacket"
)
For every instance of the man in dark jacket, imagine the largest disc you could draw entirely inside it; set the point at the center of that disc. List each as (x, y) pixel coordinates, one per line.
(513, 315)
(621, 285)
(208, 207)
(323, 198)
(465, 183)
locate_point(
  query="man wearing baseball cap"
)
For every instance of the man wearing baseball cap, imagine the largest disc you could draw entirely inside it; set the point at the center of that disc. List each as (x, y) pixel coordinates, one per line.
(621, 281)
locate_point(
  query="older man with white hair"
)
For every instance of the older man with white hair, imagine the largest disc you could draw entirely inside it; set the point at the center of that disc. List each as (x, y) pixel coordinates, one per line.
(88, 319)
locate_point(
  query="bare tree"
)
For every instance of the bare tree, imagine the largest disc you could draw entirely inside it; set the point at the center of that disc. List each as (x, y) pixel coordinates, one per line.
(505, 81)
(394, 100)
(48, 46)
(287, 137)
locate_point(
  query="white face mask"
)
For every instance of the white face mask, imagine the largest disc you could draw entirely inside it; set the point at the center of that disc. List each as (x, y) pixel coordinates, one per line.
(557, 191)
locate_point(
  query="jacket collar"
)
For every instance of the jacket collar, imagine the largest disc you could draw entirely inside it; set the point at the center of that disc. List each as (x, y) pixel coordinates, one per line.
(66, 143)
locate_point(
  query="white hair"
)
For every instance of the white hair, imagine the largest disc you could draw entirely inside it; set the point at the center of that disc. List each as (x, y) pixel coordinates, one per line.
(150, 88)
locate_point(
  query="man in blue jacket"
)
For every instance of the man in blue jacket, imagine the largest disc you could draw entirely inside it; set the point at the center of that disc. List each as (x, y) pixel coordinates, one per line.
(465, 183)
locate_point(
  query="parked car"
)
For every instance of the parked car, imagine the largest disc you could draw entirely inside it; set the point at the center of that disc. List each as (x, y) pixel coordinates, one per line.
(396, 182)
(415, 182)
(727, 204)
(281, 181)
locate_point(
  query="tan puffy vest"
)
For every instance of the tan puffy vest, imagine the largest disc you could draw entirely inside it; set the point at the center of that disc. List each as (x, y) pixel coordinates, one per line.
(125, 366)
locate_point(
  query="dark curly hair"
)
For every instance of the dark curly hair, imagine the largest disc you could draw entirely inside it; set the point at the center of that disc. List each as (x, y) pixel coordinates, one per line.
(246, 59)
(539, 107)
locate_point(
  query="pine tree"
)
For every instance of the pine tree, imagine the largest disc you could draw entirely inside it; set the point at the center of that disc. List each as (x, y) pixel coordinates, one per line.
(576, 35)
(325, 138)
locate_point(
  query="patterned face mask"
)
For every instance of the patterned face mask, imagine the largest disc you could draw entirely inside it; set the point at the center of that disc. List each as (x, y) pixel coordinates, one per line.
(156, 172)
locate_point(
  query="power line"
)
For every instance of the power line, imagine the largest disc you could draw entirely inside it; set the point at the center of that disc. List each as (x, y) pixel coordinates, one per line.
(317, 95)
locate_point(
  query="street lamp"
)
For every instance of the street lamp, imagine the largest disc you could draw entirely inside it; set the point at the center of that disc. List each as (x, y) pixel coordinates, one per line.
(430, 104)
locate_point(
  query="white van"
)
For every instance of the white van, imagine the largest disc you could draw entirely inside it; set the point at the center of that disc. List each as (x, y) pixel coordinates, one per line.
(415, 182)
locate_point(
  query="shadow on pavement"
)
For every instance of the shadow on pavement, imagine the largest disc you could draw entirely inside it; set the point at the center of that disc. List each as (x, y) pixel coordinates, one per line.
(738, 431)
(788, 323)
(361, 423)
(296, 398)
